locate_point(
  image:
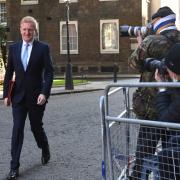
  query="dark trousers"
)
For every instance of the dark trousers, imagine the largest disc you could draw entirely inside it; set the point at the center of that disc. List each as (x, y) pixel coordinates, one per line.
(35, 114)
(148, 139)
(169, 159)
(146, 145)
(169, 163)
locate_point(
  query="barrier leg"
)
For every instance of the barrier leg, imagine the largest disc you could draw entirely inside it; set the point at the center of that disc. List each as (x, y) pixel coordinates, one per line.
(103, 131)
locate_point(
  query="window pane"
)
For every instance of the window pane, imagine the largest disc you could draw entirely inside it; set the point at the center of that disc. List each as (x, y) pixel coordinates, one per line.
(62, 1)
(64, 30)
(109, 36)
(64, 43)
(108, 0)
(2, 12)
(30, 0)
(74, 42)
(72, 37)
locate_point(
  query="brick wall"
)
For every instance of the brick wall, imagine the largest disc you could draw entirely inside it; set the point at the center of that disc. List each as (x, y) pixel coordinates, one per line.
(88, 13)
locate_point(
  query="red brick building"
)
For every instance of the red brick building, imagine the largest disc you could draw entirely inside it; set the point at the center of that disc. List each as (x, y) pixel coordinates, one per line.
(95, 42)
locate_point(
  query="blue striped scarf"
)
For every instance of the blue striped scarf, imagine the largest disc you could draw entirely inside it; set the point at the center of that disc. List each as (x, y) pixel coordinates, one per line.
(167, 22)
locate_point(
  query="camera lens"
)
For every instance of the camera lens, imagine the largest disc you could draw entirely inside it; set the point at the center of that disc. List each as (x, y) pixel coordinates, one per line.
(126, 30)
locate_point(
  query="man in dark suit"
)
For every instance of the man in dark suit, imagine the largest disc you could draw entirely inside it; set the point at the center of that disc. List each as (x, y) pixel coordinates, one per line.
(31, 63)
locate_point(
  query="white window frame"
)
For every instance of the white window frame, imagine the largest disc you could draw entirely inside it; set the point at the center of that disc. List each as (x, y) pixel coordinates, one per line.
(4, 13)
(110, 51)
(71, 1)
(71, 51)
(29, 2)
(108, 0)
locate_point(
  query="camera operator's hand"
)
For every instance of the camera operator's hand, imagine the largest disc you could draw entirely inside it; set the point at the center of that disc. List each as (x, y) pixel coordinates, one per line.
(162, 77)
(139, 38)
(158, 77)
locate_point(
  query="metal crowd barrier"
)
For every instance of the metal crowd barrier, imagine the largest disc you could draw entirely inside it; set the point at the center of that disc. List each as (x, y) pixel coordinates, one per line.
(120, 135)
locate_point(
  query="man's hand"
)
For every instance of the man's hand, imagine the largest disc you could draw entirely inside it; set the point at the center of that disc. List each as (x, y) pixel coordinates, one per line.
(139, 38)
(6, 102)
(41, 99)
(158, 76)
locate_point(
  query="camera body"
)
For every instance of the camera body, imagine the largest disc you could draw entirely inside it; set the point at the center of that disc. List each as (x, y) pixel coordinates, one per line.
(126, 30)
(151, 64)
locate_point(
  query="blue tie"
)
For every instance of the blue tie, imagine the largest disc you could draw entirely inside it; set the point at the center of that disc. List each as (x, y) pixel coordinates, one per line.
(25, 57)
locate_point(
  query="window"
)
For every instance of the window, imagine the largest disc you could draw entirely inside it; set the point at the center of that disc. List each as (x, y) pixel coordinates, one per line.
(71, 1)
(3, 12)
(73, 37)
(109, 36)
(108, 0)
(29, 2)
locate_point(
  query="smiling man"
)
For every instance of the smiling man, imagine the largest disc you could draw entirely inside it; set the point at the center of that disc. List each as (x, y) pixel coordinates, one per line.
(30, 60)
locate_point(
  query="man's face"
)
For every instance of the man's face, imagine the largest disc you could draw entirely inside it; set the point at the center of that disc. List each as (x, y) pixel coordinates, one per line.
(27, 30)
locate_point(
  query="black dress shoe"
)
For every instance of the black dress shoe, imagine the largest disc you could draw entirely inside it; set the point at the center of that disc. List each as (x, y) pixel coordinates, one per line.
(13, 174)
(45, 155)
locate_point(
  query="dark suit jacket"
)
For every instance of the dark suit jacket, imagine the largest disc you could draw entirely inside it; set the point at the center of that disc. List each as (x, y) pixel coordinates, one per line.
(38, 77)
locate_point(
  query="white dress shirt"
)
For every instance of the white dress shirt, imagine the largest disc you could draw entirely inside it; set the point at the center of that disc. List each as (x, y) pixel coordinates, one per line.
(29, 49)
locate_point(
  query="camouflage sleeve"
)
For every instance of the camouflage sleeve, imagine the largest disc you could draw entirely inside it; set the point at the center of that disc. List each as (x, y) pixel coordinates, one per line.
(153, 46)
(159, 47)
(140, 53)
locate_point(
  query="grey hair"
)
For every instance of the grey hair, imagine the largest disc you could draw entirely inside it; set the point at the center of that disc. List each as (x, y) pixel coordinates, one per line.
(29, 19)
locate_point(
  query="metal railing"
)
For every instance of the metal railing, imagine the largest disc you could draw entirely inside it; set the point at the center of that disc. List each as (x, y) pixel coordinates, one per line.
(125, 116)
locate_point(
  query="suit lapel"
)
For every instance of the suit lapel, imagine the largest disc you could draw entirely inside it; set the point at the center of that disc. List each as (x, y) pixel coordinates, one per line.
(19, 61)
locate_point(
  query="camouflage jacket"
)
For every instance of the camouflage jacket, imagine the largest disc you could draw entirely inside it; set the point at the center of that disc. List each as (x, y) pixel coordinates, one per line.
(153, 46)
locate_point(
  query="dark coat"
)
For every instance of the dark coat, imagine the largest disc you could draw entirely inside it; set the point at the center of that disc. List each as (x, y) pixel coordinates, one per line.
(168, 105)
(153, 46)
(38, 77)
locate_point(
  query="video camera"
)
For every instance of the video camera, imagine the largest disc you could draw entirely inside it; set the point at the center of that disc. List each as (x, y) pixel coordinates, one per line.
(151, 64)
(126, 30)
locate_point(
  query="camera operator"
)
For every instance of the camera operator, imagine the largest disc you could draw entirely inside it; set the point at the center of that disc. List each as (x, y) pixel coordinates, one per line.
(157, 45)
(168, 108)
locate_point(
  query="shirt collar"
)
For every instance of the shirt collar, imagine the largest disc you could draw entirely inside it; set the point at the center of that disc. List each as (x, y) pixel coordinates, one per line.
(30, 43)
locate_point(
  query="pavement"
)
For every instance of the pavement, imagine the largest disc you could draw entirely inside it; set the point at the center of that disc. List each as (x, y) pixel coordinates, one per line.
(90, 86)
(73, 127)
